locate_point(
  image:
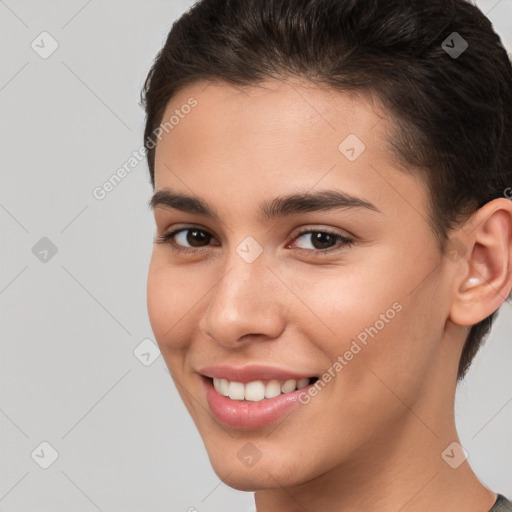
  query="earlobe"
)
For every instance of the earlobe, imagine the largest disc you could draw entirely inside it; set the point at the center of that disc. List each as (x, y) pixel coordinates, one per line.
(486, 279)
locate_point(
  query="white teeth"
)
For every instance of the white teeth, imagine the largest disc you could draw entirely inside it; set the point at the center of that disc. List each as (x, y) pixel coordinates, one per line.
(223, 386)
(256, 391)
(289, 386)
(236, 391)
(273, 389)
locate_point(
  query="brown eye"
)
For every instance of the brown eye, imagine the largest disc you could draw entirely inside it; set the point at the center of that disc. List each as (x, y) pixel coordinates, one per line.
(322, 241)
(186, 239)
(196, 237)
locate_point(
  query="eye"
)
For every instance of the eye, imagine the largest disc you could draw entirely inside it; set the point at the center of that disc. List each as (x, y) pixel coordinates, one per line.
(323, 241)
(195, 238)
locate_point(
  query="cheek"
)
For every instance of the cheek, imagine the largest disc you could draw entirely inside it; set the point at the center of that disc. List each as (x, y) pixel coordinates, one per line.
(376, 317)
(170, 302)
(389, 342)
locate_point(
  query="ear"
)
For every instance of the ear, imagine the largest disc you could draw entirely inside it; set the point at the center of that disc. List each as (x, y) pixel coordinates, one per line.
(483, 279)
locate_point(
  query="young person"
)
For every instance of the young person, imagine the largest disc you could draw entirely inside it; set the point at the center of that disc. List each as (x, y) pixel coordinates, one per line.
(334, 238)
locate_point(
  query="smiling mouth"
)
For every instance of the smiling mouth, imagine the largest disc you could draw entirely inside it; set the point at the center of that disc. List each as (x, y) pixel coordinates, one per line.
(258, 390)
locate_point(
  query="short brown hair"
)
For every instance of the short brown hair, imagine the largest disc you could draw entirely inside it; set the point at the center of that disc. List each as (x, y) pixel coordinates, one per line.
(453, 113)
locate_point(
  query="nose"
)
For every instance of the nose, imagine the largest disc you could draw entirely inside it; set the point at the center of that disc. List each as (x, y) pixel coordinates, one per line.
(244, 305)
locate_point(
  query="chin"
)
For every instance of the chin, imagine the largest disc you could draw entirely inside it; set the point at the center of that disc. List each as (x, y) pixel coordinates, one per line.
(255, 479)
(248, 482)
(269, 472)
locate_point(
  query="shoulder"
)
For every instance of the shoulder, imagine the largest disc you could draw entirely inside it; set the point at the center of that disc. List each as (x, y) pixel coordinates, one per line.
(501, 505)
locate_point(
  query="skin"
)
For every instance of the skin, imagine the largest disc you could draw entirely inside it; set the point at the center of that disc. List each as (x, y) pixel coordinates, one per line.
(372, 438)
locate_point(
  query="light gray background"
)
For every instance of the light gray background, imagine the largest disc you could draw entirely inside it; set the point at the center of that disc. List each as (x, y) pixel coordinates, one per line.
(70, 325)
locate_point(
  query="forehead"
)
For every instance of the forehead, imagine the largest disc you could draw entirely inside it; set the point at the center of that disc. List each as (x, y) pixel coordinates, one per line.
(274, 115)
(241, 142)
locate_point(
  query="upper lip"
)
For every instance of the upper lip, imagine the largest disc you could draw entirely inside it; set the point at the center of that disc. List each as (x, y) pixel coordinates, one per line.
(249, 373)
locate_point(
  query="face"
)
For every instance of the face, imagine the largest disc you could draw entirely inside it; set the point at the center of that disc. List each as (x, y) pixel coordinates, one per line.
(302, 265)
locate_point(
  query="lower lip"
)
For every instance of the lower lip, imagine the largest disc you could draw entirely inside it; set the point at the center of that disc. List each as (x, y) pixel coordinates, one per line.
(246, 415)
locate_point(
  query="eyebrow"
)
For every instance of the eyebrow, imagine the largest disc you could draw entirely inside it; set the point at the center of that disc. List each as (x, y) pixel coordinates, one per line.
(323, 200)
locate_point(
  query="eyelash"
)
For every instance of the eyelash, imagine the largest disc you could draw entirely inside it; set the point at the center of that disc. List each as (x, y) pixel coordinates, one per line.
(167, 238)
